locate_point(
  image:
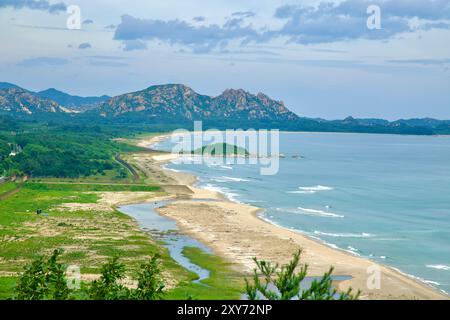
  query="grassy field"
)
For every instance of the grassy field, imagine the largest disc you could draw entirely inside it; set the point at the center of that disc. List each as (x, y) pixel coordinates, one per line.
(223, 283)
(90, 237)
(8, 186)
(77, 218)
(89, 187)
(109, 176)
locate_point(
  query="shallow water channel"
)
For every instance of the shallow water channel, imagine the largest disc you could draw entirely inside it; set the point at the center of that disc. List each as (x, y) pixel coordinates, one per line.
(166, 230)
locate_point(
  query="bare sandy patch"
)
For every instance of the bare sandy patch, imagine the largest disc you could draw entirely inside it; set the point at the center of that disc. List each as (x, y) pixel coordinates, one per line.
(109, 200)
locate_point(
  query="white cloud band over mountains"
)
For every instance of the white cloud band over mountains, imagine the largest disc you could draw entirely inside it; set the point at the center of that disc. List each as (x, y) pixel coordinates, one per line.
(326, 23)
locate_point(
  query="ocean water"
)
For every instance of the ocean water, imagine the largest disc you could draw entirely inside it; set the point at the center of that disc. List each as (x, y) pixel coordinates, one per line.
(383, 197)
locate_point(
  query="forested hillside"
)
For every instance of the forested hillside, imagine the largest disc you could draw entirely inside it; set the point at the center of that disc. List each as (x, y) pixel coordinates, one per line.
(58, 151)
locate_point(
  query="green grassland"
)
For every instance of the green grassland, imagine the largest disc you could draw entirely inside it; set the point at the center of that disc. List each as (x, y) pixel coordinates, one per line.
(25, 234)
(115, 175)
(8, 187)
(68, 169)
(90, 187)
(223, 282)
(89, 238)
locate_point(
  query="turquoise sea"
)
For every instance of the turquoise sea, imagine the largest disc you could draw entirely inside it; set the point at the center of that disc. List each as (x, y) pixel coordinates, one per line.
(383, 197)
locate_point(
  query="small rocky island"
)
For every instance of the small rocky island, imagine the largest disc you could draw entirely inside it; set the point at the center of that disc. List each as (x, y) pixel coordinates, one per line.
(221, 149)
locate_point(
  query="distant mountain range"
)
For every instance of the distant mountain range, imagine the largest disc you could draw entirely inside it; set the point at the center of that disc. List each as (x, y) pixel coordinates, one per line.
(177, 103)
(74, 103)
(17, 100)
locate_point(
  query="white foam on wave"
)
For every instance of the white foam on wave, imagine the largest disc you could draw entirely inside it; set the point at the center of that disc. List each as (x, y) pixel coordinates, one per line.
(311, 212)
(254, 201)
(219, 180)
(263, 216)
(432, 282)
(229, 194)
(311, 190)
(217, 163)
(320, 213)
(344, 235)
(350, 249)
(302, 192)
(353, 251)
(316, 188)
(228, 179)
(165, 167)
(428, 282)
(438, 267)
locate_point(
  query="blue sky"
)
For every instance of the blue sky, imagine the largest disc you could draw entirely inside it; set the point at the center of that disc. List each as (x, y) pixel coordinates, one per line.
(318, 57)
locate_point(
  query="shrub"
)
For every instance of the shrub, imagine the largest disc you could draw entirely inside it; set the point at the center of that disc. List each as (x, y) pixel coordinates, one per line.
(150, 281)
(43, 280)
(284, 283)
(108, 286)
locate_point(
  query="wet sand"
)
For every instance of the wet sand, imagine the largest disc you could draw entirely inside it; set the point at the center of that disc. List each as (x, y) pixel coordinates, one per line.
(235, 232)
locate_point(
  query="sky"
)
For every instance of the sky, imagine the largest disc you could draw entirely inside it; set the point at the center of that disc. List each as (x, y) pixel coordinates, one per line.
(322, 58)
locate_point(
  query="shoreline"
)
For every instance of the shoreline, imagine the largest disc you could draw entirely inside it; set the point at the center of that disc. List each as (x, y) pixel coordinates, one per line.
(236, 232)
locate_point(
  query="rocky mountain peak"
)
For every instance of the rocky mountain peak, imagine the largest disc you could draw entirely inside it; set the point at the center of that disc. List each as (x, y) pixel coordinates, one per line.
(177, 101)
(18, 100)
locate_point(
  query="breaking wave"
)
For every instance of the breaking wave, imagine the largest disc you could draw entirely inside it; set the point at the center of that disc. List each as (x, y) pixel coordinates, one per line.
(316, 188)
(438, 267)
(229, 179)
(311, 212)
(229, 194)
(344, 235)
(311, 190)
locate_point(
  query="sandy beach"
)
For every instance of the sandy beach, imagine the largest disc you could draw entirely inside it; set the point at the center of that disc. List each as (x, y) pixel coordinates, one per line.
(235, 232)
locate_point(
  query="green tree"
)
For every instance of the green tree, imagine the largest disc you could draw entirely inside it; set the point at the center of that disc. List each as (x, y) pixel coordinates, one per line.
(150, 281)
(272, 282)
(108, 286)
(43, 280)
(46, 279)
(5, 149)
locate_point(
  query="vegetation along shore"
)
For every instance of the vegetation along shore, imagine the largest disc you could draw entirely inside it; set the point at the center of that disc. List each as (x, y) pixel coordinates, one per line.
(78, 213)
